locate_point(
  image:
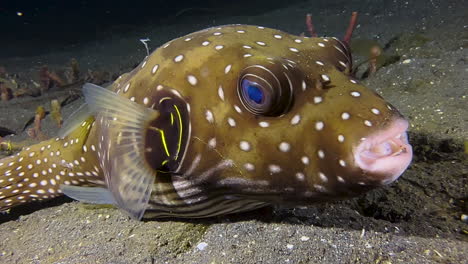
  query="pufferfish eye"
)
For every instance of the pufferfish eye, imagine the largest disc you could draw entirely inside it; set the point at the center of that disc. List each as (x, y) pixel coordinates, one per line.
(265, 91)
(254, 91)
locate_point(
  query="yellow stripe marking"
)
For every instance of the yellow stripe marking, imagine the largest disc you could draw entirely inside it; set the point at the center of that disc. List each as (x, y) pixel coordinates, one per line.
(163, 139)
(179, 143)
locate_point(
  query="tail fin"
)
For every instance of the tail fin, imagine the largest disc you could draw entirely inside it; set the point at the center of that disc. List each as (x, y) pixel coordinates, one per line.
(37, 171)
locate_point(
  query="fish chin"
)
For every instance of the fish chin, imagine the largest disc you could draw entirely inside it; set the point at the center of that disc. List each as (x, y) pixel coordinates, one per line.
(385, 154)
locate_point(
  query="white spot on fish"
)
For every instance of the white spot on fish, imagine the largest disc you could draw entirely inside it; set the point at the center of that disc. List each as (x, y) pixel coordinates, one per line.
(263, 124)
(342, 163)
(345, 116)
(284, 147)
(320, 188)
(127, 87)
(227, 69)
(178, 58)
(321, 154)
(300, 176)
(274, 168)
(231, 121)
(212, 143)
(155, 69)
(209, 116)
(244, 145)
(238, 109)
(319, 125)
(249, 166)
(341, 138)
(325, 78)
(295, 120)
(221, 92)
(323, 177)
(261, 43)
(317, 99)
(192, 80)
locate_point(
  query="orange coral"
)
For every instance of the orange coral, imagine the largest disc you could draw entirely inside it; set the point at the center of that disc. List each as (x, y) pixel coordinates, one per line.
(5, 92)
(55, 112)
(49, 79)
(374, 54)
(36, 132)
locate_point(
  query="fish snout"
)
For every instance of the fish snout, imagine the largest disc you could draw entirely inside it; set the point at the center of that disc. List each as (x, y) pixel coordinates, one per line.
(385, 154)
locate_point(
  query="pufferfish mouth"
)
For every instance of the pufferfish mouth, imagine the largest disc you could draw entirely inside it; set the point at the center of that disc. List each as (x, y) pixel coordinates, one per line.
(385, 153)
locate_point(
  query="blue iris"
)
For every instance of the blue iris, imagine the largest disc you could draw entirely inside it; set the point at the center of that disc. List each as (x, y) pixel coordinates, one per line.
(254, 92)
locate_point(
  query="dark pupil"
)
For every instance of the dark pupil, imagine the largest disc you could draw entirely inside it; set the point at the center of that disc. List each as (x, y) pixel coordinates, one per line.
(255, 94)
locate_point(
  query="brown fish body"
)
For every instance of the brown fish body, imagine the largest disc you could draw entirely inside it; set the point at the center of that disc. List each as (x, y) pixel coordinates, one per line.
(224, 120)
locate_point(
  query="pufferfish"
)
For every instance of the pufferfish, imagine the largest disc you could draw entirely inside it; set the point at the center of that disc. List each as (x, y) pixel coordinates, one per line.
(224, 120)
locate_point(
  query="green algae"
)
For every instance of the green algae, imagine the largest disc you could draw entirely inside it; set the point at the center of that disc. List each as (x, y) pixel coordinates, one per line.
(410, 40)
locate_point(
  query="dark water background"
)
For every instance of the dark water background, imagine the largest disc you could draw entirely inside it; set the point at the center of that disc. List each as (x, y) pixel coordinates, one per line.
(49, 25)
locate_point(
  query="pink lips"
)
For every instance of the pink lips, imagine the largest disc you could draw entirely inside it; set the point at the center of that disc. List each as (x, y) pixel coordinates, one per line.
(386, 153)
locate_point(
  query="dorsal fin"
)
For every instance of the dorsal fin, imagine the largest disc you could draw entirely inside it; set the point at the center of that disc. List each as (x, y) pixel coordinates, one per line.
(75, 120)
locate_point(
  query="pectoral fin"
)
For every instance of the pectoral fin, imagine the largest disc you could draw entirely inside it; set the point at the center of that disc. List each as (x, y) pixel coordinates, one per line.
(123, 125)
(93, 195)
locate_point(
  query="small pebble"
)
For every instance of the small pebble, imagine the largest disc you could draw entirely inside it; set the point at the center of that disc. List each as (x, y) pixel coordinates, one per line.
(464, 218)
(406, 61)
(201, 246)
(289, 246)
(305, 238)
